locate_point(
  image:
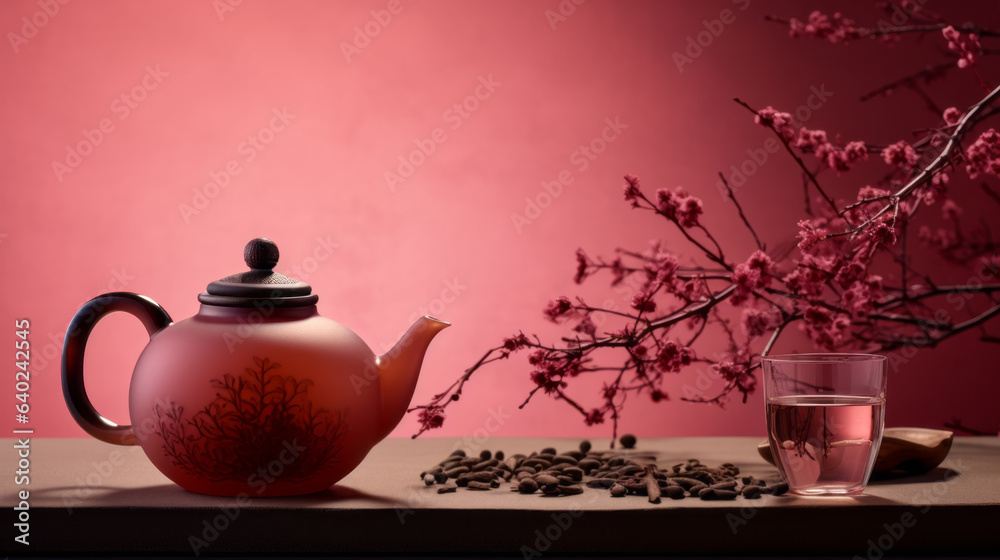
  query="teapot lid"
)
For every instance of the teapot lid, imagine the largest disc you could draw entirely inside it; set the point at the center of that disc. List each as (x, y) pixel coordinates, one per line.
(260, 283)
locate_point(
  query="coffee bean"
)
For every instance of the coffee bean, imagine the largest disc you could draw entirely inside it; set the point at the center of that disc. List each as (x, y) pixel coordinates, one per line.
(447, 488)
(548, 450)
(630, 469)
(563, 479)
(751, 492)
(569, 489)
(499, 455)
(589, 465)
(457, 453)
(628, 441)
(717, 494)
(527, 486)
(696, 489)
(779, 488)
(585, 446)
(574, 472)
(602, 482)
(485, 455)
(724, 485)
(545, 480)
(495, 483)
(485, 464)
(455, 472)
(476, 485)
(618, 490)
(674, 492)
(429, 479)
(441, 477)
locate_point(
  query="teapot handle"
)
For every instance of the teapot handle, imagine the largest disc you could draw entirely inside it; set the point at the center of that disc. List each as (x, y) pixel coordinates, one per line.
(153, 317)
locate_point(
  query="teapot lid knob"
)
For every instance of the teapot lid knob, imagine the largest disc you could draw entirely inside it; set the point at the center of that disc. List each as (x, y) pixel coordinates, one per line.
(260, 284)
(261, 254)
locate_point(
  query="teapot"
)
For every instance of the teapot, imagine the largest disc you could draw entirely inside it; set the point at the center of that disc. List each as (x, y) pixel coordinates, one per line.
(257, 394)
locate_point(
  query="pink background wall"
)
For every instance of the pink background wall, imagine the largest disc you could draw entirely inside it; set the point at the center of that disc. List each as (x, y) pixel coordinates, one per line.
(116, 222)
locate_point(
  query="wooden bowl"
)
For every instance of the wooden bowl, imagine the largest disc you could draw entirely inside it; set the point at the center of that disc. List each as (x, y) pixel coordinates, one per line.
(903, 450)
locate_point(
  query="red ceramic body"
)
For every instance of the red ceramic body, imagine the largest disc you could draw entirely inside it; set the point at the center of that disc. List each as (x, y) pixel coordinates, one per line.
(268, 402)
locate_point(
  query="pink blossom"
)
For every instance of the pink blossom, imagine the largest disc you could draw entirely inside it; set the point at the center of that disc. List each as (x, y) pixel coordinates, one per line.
(952, 115)
(809, 235)
(431, 417)
(618, 271)
(737, 374)
(900, 154)
(950, 210)
(850, 272)
(967, 48)
(662, 267)
(549, 372)
(582, 265)
(595, 416)
(679, 206)
(756, 322)
(825, 327)
(671, 357)
(643, 303)
(516, 342)
(810, 276)
(754, 274)
(861, 296)
(983, 156)
(883, 233)
(835, 28)
(632, 192)
(557, 308)
(777, 120)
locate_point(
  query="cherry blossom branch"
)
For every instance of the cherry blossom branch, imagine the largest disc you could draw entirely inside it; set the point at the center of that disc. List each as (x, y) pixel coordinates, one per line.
(831, 288)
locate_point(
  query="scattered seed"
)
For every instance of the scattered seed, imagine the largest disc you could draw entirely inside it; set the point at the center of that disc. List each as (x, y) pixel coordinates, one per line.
(485, 455)
(476, 485)
(779, 488)
(628, 441)
(455, 472)
(549, 450)
(674, 492)
(447, 488)
(617, 490)
(429, 479)
(585, 446)
(717, 494)
(527, 486)
(751, 492)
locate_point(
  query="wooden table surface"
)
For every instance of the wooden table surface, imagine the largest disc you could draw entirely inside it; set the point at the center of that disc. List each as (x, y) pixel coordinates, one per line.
(91, 497)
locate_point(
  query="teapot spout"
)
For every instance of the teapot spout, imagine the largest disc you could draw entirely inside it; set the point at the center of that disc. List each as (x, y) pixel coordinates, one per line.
(400, 367)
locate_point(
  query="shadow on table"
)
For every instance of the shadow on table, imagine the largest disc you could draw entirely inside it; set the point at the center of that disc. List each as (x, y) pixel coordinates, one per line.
(939, 474)
(171, 495)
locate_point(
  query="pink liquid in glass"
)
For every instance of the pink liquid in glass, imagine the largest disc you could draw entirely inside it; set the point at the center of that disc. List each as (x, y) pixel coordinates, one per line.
(823, 444)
